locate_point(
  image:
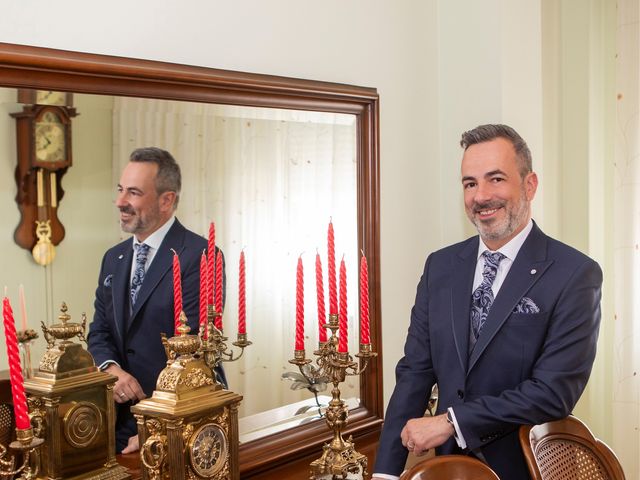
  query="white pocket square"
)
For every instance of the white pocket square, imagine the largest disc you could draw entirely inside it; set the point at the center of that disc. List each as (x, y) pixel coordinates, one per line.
(526, 305)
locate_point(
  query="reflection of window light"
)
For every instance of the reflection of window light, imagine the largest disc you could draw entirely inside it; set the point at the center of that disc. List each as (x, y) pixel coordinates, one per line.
(271, 188)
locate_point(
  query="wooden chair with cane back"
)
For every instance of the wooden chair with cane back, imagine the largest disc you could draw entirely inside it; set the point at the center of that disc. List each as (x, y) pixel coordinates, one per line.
(567, 450)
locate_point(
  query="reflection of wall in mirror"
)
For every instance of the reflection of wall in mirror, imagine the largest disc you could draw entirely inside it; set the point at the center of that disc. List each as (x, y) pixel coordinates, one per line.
(86, 212)
(270, 179)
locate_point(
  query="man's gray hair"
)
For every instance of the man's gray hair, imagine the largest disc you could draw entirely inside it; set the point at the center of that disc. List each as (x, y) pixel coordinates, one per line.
(486, 133)
(169, 178)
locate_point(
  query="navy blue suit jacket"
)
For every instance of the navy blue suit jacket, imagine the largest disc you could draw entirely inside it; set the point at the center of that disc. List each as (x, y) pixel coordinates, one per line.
(526, 368)
(133, 340)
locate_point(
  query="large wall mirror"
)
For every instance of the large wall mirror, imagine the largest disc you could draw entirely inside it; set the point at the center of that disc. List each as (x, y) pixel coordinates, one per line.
(271, 160)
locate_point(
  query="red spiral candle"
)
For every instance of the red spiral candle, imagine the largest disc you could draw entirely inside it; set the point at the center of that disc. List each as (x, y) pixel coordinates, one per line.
(211, 258)
(242, 299)
(219, 290)
(203, 293)
(320, 291)
(299, 306)
(15, 371)
(364, 302)
(331, 250)
(177, 290)
(342, 340)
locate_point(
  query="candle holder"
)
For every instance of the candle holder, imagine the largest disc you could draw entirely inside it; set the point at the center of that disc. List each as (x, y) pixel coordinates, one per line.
(339, 457)
(26, 445)
(213, 344)
(25, 340)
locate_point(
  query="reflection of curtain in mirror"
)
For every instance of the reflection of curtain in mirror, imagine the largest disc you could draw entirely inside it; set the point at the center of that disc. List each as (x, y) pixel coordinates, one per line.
(626, 381)
(270, 179)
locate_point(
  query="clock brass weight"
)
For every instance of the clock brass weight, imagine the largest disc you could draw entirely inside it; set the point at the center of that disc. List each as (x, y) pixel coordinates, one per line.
(339, 459)
(188, 429)
(71, 407)
(43, 135)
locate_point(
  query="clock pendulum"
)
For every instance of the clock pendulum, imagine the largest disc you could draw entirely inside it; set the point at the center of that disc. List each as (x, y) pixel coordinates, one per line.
(43, 252)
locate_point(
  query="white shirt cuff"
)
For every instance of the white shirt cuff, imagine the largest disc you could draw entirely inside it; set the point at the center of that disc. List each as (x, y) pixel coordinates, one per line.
(385, 475)
(106, 363)
(458, 435)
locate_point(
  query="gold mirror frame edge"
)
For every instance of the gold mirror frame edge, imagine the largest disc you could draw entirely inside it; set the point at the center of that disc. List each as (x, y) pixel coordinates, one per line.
(24, 66)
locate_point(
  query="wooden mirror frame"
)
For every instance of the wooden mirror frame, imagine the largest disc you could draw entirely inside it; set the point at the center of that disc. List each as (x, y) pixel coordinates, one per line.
(287, 453)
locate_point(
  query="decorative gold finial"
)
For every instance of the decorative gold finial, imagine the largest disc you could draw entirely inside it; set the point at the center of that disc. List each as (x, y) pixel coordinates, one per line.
(64, 317)
(65, 329)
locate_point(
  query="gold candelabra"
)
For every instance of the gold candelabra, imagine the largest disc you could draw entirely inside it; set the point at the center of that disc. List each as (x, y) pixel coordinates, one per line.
(213, 344)
(339, 457)
(26, 446)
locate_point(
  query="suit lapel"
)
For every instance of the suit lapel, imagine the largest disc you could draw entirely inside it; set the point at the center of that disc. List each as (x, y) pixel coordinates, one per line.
(463, 268)
(120, 290)
(162, 263)
(529, 266)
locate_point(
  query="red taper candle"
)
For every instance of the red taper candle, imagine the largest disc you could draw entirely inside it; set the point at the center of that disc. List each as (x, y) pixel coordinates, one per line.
(242, 299)
(15, 371)
(203, 293)
(364, 302)
(342, 339)
(320, 290)
(299, 306)
(177, 290)
(211, 259)
(331, 250)
(219, 290)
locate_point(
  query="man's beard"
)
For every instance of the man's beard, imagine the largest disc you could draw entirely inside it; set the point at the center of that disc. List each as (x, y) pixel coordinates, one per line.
(505, 227)
(137, 222)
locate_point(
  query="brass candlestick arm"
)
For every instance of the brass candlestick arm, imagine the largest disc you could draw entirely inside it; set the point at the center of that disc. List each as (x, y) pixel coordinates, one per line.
(26, 444)
(299, 359)
(214, 347)
(365, 355)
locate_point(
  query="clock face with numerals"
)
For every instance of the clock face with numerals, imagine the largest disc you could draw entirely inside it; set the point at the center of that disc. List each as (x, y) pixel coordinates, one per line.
(208, 450)
(50, 138)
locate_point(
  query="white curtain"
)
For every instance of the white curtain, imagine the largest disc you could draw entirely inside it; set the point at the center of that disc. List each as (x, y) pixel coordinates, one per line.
(626, 381)
(270, 180)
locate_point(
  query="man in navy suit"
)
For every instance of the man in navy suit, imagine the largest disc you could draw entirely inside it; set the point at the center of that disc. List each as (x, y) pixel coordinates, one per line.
(509, 336)
(134, 298)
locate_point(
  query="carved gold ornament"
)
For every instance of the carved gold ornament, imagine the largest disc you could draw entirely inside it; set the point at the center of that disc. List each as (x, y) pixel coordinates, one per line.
(82, 423)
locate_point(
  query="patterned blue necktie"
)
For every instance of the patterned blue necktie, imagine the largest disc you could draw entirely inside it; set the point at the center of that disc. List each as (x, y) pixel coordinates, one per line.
(138, 275)
(482, 297)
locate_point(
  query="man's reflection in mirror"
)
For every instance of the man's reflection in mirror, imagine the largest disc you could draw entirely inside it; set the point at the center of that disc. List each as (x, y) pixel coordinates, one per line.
(134, 298)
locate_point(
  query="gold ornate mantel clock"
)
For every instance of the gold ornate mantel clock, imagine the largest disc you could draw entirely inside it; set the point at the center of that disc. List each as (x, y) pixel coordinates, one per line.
(188, 429)
(43, 134)
(71, 403)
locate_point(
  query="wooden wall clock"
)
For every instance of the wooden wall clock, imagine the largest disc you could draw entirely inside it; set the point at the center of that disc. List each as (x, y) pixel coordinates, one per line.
(43, 135)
